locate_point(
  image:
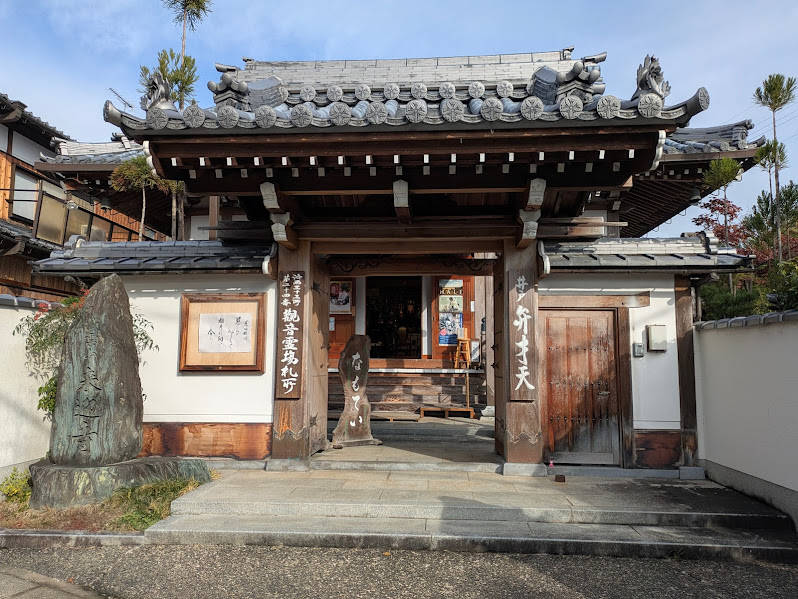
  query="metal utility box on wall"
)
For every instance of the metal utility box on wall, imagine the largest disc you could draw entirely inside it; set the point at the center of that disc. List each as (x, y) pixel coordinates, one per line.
(656, 337)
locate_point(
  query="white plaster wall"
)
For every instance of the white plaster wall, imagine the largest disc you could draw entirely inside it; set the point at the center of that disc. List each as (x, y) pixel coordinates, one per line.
(195, 222)
(25, 434)
(747, 379)
(27, 150)
(655, 377)
(172, 396)
(3, 138)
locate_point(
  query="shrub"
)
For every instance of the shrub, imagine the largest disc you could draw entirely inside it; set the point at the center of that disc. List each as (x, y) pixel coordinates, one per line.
(719, 302)
(16, 486)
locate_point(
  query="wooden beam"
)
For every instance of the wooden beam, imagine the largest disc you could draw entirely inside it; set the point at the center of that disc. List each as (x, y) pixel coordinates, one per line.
(550, 299)
(378, 229)
(408, 246)
(401, 201)
(686, 361)
(422, 265)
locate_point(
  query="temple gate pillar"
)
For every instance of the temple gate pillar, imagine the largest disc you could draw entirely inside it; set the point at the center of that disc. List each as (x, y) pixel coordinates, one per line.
(301, 358)
(518, 437)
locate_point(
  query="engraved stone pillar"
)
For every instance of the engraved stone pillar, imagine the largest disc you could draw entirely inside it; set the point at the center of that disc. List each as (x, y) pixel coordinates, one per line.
(98, 408)
(354, 425)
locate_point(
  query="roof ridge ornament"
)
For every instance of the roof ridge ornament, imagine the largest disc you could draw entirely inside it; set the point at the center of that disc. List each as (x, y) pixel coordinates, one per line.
(158, 93)
(650, 79)
(230, 91)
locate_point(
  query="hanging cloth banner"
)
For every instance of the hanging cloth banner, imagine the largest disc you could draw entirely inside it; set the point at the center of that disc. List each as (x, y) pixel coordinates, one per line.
(290, 325)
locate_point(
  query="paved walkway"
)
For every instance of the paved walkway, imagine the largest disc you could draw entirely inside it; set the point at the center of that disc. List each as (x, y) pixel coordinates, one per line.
(22, 584)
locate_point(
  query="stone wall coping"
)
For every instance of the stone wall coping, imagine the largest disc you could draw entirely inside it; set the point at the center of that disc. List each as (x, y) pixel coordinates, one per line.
(749, 321)
(12, 301)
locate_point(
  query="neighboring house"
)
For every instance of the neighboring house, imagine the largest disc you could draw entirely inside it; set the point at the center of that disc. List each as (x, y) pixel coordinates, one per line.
(436, 195)
(39, 210)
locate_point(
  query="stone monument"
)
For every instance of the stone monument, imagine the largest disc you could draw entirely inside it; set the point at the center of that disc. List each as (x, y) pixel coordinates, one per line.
(354, 425)
(97, 432)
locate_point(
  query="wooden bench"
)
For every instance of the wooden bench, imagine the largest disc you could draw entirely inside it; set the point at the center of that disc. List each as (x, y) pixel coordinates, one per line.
(446, 410)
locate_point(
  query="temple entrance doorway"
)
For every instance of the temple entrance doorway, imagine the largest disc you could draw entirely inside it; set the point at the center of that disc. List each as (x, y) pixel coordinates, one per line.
(393, 317)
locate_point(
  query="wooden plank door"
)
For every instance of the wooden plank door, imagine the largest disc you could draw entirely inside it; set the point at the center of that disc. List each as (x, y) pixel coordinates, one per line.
(443, 312)
(343, 315)
(578, 387)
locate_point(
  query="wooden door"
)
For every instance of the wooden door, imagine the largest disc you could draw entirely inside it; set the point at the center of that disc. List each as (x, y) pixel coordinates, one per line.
(342, 312)
(443, 312)
(579, 395)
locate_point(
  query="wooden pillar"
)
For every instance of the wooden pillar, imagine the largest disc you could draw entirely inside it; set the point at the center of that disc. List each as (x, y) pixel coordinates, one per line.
(300, 422)
(516, 355)
(686, 359)
(213, 216)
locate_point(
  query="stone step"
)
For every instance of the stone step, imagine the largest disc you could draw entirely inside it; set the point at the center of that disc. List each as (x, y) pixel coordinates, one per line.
(389, 401)
(516, 536)
(441, 506)
(411, 389)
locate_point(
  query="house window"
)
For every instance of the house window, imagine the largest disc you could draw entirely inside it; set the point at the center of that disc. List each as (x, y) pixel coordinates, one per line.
(77, 223)
(24, 195)
(52, 219)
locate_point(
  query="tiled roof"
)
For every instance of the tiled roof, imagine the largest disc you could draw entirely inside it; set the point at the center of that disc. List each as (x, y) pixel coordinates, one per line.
(723, 138)
(690, 253)
(28, 118)
(113, 152)
(80, 256)
(15, 231)
(523, 89)
(749, 321)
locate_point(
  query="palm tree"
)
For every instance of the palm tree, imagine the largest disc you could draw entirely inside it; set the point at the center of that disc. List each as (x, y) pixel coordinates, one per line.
(777, 91)
(190, 13)
(136, 174)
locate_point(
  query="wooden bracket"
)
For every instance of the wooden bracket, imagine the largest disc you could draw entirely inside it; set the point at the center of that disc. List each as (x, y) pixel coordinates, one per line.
(537, 189)
(283, 232)
(401, 201)
(529, 230)
(271, 198)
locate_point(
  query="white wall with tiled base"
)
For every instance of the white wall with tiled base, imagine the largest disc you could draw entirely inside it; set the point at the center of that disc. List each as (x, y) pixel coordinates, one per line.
(174, 396)
(655, 376)
(24, 432)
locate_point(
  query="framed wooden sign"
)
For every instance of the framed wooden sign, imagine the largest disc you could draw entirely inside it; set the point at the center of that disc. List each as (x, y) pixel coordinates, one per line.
(222, 332)
(290, 339)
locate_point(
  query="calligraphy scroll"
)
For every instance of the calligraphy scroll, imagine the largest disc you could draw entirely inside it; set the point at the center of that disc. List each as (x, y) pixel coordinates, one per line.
(523, 322)
(290, 325)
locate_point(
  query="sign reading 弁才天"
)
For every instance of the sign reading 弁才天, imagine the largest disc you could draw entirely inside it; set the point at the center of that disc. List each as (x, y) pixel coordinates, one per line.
(521, 313)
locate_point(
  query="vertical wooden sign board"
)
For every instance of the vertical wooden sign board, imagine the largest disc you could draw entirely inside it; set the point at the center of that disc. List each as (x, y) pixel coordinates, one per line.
(290, 340)
(522, 320)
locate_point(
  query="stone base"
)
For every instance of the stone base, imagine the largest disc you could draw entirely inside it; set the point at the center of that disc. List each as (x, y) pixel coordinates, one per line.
(69, 486)
(518, 469)
(287, 465)
(692, 473)
(489, 412)
(342, 444)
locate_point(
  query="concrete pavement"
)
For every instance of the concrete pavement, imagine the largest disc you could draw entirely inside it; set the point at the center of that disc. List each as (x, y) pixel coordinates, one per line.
(23, 584)
(188, 572)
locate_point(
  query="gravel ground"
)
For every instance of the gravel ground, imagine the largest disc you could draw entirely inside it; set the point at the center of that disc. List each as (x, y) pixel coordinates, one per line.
(155, 572)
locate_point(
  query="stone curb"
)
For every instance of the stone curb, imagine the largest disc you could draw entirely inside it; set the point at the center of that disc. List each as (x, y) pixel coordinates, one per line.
(40, 539)
(66, 588)
(28, 539)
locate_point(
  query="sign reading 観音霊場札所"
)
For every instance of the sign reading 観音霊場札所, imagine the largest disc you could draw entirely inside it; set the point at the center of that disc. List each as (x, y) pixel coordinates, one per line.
(523, 322)
(290, 317)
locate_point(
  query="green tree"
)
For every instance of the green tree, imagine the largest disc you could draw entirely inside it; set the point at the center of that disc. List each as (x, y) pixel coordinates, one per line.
(777, 91)
(181, 75)
(136, 174)
(189, 13)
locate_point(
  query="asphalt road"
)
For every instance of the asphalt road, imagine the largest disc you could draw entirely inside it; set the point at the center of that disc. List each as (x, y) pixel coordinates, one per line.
(155, 572)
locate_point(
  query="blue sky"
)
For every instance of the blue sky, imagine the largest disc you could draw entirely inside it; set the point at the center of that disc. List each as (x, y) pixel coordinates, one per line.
(67, 53)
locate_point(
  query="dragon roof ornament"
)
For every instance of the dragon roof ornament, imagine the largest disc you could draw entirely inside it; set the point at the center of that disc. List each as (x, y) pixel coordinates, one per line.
(572, 91)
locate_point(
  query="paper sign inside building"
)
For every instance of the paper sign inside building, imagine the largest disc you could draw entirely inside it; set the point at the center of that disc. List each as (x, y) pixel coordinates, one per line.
(225, 333)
